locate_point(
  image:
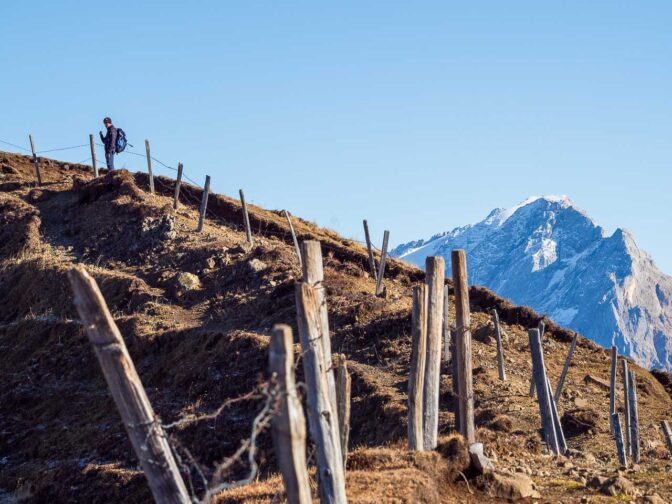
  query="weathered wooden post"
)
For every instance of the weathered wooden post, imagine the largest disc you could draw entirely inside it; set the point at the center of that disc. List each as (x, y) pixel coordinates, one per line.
(562, 442)
(667, 434)
(246, 218)
(149, 168)
(93, 156)
(626, 407)
(204, 204)
(369, 248)
(35, 162)
(296, 242)
(612, 387)
(289, 425)
(456, 379)
(416, 377)
(565, 368)
(634, 416)
(313, 275)
(343, 395)
(463, 345)
(321, 414)
(381, 269)
(142, 426)
(539, 374)
(500, 348)
(618, 436)
(435, 271)
(178, 184)
(446, 325)
(542, 329)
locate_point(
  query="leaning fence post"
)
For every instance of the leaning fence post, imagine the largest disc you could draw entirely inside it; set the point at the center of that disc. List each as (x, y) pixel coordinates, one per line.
(178, 183)
(296, 242)
(142, 426)
(565, 368)
(93, 156)
(542, 329)
(35, 162)
(246, 218)
(618, 436)
(289, 425)
(612, 387)
(667, 434)
(500, 349)
(321, 416)
(204, 204)
(343, 394)
(435, 271)
(416, 377)
(634, 416)
(543, 395)
(369, 248)
(381, 269)
(626, 407)
(149, 168)
(562, 442)
(463, 346)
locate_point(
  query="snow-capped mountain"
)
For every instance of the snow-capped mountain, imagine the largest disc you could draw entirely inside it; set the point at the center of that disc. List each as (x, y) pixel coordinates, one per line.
(548, 254)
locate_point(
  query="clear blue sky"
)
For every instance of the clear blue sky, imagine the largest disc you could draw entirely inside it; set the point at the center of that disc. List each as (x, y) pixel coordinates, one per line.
(419, 116)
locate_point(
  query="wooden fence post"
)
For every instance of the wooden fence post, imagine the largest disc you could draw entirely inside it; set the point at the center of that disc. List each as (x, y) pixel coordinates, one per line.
(343, 395)
(35, 162)
(667, 434)
(562, 442)
(313, 275)
(321, 415)
(149, 168)
(369, 248)
(500, 348)
(204, 204)
(296, 242)
(626, 407)
(381, 269)
(542, 329)
(565, 368)
(539, 374)
(93, 156)
(446, 324)
(612, 387)
(435, 271)
(246, 218)
(178, 183)
(634, 416)
(289, 425)
(463, 346)
(618, 436)
(143, 428)
(456, 379)
(416, 377)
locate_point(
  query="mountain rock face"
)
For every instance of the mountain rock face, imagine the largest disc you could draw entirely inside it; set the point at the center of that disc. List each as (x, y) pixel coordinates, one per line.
(550, 255)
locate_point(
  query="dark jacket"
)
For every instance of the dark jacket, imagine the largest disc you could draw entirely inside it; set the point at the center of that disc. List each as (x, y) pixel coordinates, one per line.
(110, 139)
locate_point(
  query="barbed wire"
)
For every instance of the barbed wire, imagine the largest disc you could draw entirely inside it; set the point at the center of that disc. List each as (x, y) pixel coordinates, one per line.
(14, 145)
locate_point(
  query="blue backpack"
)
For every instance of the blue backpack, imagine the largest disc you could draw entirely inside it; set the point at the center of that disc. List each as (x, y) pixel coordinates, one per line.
(121, 141)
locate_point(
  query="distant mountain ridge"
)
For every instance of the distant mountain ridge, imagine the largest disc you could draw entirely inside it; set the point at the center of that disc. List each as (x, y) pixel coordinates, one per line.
(550, 255)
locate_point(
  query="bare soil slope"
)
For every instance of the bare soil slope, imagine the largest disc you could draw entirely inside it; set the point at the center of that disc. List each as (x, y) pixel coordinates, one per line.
(198, 347)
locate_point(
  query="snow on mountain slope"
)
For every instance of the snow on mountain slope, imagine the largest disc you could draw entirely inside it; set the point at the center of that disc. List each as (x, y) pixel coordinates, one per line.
(550, 255)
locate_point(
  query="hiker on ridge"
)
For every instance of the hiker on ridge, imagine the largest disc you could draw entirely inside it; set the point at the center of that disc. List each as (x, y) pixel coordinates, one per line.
(110, 141)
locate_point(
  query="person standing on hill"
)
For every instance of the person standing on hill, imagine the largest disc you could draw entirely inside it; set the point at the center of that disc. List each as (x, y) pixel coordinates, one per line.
(110, 141)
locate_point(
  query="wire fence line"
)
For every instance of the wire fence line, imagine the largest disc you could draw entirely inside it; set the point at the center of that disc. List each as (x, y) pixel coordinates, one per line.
(185, 176)
(89, 158)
